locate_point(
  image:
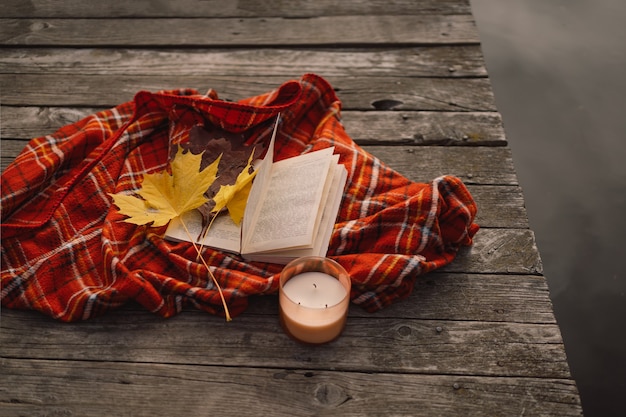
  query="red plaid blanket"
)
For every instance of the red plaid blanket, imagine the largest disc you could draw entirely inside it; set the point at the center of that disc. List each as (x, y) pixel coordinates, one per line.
(66, 252)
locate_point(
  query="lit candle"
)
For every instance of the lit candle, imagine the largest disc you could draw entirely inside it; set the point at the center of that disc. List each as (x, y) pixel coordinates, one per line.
(314, 296)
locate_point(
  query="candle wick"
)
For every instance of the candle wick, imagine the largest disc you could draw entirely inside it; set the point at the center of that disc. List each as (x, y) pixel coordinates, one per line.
(326, 305)
(314, 285)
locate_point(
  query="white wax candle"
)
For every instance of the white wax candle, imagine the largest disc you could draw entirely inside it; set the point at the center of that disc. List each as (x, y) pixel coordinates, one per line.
(315, 290)
(314, 306)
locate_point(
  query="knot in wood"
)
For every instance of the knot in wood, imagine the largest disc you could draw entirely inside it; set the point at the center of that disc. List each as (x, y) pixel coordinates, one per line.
(386, 104)
(331, 395)
(37, 26)
(404, 331)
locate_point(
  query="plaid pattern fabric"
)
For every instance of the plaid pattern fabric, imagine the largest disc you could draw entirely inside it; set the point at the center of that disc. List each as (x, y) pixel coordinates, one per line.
(67, 253)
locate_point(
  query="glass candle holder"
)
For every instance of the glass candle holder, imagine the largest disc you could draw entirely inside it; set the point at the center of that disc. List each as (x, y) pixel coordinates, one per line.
(313, 296)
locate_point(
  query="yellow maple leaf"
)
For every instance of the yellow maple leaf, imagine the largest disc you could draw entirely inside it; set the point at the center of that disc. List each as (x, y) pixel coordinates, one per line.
(168, 196)
(234, 197)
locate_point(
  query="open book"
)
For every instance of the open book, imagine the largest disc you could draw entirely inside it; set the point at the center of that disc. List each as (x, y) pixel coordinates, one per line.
(290, 213)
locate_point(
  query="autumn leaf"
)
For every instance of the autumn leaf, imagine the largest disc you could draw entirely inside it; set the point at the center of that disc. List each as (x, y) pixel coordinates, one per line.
(212, 140)
(166, 196)
(234, 197)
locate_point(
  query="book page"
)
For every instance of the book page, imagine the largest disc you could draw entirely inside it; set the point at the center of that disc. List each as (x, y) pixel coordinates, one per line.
(331, 208)
(327, 222)
(287, 215)
(223, 234)
(260, 182)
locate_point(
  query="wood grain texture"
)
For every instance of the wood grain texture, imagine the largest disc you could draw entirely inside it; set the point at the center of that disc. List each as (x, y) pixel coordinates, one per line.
(274, 63)
(318, 31)
(87, 388)
(426, 127)
(475, 165)
(447, 61)
(366, 128)
(232, 8)
(367, 344)
(371, 93)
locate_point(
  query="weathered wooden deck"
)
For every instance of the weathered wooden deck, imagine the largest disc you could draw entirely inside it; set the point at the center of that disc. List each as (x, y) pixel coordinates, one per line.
(476, 338)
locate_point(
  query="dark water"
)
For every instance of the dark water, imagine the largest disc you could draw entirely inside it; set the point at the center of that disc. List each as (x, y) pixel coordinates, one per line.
(558, 70)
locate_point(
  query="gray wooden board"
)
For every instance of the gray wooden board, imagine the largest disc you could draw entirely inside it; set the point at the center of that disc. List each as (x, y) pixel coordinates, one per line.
(368, 344)
(232, 8)
(329, 30)
(371, 93)
(366, 128)
(259, 68)
(86, 388)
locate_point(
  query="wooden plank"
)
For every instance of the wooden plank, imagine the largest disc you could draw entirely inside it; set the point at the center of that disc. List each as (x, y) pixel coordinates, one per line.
(474, 165)
(495, 251)
(231, 8)
(139, 389)
(499, 206)
(29, 122)
(368, 93)
(367, 128)
(368, 344)
(260, 63)
(425, 127)
(385, 93)
(322, 30)
(480, 297)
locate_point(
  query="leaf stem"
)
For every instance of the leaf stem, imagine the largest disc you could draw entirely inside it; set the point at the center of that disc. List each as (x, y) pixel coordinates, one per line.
(219, 289)
(205, 231)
